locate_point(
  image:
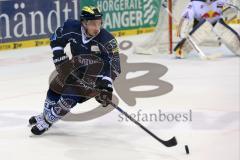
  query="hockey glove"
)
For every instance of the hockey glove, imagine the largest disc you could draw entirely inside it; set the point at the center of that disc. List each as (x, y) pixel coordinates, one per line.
(60, 59)
(105, 95)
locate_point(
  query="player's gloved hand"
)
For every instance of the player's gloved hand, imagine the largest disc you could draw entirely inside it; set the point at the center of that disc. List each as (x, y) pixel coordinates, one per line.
(60, 59)
(105, 95)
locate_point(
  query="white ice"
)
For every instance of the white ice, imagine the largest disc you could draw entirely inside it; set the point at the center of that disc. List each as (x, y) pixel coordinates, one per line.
(209, 88)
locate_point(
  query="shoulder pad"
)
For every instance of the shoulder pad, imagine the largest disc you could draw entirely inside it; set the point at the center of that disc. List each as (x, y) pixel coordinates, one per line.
(105, 36)
(71, 25)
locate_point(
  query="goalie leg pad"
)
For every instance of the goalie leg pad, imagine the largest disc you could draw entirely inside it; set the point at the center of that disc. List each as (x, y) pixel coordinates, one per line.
(198, 34)
(229, 37)
(203, 35)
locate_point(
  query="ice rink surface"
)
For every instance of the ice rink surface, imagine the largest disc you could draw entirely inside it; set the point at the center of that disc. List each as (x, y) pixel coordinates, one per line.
(207, 89)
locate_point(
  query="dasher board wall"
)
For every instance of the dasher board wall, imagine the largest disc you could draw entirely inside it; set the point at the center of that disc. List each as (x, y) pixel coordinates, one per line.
(29, 23)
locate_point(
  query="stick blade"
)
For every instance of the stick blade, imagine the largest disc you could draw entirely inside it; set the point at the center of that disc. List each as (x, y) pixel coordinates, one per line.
(171, 142)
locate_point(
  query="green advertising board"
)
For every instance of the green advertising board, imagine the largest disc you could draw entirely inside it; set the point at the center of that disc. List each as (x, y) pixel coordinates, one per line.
(27, 24)
(124, 17)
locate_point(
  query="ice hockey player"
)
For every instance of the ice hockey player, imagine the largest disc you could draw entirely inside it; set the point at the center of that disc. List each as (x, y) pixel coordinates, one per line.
(85, 37)
(203, 19)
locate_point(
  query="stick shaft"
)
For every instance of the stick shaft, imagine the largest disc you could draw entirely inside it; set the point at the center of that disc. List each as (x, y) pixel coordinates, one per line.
(144, 128)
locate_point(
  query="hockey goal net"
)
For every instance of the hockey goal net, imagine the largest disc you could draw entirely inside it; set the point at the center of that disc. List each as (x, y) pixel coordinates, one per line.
(164, 38)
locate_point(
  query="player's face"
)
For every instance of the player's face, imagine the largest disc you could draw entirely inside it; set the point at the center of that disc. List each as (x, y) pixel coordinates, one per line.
(93, 27)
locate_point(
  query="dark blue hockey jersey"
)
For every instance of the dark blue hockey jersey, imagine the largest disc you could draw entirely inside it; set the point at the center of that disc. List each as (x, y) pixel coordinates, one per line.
(104, 45)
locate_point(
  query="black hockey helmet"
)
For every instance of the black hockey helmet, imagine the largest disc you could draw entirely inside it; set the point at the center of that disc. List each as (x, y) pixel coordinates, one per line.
(90, 13)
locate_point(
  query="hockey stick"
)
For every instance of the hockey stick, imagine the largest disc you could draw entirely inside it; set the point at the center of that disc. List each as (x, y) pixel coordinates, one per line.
(169, 143)
(191, 41)
(200, 52)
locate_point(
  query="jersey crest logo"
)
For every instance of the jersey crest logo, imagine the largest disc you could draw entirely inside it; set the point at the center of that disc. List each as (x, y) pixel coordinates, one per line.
(95, 49)
(211, 14)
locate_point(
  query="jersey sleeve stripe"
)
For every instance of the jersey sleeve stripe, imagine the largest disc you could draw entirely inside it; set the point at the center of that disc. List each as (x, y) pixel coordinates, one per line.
(57, 48)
